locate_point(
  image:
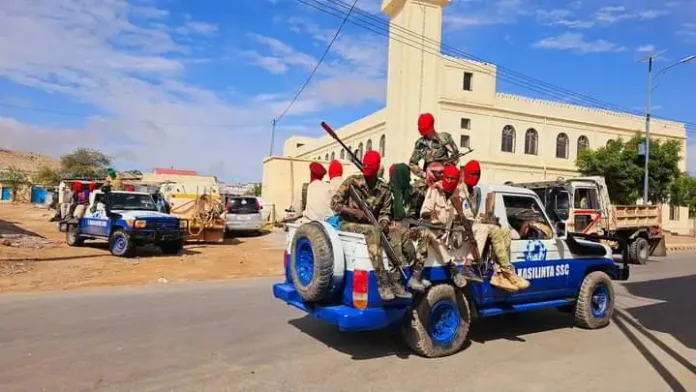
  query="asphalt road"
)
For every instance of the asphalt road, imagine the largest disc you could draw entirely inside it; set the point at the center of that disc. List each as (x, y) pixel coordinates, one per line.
(236, 337)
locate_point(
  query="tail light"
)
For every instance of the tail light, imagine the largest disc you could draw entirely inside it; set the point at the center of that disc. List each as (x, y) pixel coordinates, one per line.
(360, 286)
(258, 206)
(285, 260)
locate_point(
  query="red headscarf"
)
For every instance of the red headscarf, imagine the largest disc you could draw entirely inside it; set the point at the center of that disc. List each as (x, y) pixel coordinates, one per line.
(76, 186)
(130, 188)
(92, 186)
(450, 178)
(426, 124)
(430, 173)
(335, 169)
(316, 171)
(371, 163)
(472, 173)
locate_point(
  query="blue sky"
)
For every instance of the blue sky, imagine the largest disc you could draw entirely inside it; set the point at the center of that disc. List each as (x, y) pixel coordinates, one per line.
(196, 84)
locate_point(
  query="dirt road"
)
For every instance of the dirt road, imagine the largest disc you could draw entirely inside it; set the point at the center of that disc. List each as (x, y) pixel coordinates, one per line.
(34, 256)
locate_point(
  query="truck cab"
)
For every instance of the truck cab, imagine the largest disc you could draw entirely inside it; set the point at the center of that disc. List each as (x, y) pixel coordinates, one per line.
(328, 274)
(126, 220)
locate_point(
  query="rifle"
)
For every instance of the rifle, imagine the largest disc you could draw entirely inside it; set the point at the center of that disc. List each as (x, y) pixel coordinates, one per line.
(455, 158)
(391, 254)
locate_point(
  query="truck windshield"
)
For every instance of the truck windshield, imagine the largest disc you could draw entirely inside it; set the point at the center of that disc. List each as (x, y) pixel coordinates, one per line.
(132, 201)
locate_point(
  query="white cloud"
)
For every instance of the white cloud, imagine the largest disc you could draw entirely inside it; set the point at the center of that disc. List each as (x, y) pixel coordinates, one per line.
(607, 15)
(646, 48)
(613, 14)
(478, 13)
(688, 31)
(577, 42)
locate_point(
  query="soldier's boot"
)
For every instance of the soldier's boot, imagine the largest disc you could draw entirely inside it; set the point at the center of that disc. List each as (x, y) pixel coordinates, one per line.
(518, 281)
(417, 283)
(384, 286)
(457, 278)
(398, 287)
(470, 274)
(500, 281)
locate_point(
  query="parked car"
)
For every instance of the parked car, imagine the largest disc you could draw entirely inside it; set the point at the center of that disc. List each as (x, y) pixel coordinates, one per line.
(243, 214)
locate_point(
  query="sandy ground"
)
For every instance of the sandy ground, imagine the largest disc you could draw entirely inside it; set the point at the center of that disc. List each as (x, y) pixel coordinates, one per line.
(34, 256)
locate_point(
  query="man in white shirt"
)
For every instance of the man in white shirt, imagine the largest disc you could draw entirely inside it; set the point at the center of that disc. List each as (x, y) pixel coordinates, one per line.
(318, 196)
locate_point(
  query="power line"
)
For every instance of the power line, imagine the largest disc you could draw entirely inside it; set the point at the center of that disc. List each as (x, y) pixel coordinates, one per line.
(321, 59)
(515, 78)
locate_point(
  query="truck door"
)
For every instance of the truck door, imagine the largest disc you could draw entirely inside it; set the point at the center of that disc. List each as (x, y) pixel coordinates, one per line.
(537, 254)
(586, 210)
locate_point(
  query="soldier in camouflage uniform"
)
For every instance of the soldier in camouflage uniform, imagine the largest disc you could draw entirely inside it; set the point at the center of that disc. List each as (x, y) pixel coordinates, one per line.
(504, 276)
(431, 147)
(378, 198)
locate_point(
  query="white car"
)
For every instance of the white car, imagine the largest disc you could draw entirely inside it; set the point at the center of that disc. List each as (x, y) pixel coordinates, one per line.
(243, 214)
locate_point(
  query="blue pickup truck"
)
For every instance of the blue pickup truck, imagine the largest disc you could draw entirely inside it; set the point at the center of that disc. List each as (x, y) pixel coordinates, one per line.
(328, 274)
(126, 220)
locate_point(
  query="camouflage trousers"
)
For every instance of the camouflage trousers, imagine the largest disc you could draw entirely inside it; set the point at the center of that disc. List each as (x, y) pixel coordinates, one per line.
(500, 242)
(400, 240)
(372, 238)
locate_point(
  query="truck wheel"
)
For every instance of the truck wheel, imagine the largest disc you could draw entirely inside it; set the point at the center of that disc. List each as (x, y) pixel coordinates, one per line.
(639, 251)
(311, 262)
(595, 302)
(120, 244)
(171, 247)
(72, 236)
(439, 324)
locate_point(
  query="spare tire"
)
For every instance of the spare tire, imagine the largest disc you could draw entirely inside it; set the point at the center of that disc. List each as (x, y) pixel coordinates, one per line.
(312, 264)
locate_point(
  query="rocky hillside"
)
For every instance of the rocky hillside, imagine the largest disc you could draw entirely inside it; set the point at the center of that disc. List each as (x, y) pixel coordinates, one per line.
(25, 161)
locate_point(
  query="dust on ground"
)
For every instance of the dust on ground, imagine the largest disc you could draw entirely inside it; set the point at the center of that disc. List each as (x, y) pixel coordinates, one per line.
(35, 257)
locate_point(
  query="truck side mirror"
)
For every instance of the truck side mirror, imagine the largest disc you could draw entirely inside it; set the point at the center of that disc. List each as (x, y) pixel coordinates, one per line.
(561, 230)
(562, 205)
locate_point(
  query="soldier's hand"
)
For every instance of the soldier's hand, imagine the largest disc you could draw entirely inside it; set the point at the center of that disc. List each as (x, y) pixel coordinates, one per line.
(434, 215)
(357, 214)
(384, 225)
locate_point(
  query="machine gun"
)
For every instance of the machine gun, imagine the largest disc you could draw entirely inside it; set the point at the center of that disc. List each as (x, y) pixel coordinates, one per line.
(391, 254)
(453, 160)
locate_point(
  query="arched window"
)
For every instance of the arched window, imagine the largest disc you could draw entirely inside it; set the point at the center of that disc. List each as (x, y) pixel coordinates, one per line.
(562, 146)
(508, 141)
(583, 143)
(368, 146)
(343, 154)
(326, 157)
(531, 139)
(382, 145)
(359, 152)
(333, 155)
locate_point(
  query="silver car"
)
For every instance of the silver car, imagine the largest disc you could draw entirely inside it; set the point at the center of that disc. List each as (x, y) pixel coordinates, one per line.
(243, 213)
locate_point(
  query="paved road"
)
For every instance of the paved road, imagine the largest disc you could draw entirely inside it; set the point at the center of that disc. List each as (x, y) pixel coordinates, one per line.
(236, 337)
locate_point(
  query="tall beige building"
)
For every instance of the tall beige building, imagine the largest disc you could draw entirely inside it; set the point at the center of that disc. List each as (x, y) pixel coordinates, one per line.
(514, 137)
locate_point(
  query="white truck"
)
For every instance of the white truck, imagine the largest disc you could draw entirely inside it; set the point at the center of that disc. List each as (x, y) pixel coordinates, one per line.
(328, 274)
(583, 203)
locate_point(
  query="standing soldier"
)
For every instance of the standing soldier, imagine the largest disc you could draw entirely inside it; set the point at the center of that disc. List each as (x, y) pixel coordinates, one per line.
(378, 198)
(431, 147)
(504, 276)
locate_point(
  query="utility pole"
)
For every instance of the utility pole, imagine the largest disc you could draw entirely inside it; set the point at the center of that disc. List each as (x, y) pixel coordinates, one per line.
(272, 136)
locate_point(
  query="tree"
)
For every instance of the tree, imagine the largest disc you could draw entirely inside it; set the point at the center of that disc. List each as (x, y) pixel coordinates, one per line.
(47, 176)
(14, 178)
(254, 191)
(683, 192)
(85, 162)
(623, 168)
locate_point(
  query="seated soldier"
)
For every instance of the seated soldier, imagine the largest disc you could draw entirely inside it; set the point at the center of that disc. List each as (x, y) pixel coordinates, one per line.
(438, 208)
(504, 276)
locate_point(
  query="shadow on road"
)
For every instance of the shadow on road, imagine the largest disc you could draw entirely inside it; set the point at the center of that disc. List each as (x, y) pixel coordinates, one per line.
(144, 251)
(8, 227)
(377, 344)
(676, 316)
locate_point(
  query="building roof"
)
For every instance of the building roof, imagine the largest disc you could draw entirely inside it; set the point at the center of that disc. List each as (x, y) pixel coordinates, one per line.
(159, 170)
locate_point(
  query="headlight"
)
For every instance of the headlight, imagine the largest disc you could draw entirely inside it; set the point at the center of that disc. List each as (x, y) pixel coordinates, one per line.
(140, 224)
(183, 224)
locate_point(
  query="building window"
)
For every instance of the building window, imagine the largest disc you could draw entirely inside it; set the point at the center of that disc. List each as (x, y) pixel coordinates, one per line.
(583, 143)
(508, 140)
(326, 157)
(368, 146)
(673, 213)
(464, 141)
(465, 123)
(562, 146)
(531, 140)
(382, 145)
(333, 155)
(467, 81)
(343, 154)
(359, 152)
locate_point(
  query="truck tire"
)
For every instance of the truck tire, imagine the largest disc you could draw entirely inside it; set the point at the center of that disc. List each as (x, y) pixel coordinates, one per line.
(120, 244)
(72, 236)
(171, 247)
(595, 302)
(312, 262)
(639, 251)
(439, 322)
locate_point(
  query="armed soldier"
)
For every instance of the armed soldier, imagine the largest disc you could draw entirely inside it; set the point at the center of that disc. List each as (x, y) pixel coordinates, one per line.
(504, 276)
(378, 198)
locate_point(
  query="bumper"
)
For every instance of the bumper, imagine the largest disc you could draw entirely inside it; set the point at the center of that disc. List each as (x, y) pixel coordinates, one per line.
(346, 317)
(158, 235)
(240, 225)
